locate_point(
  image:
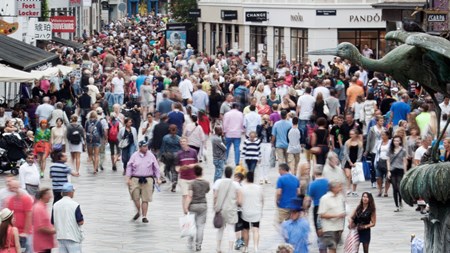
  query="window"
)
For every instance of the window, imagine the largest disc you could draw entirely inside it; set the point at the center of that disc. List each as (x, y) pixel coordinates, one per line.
(258, 39)
(374, 39)
(278, 44)
(213, 39)
(228, 36)
(299, 44)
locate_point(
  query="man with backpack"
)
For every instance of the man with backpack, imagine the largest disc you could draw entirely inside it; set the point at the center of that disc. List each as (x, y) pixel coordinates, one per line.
(94, 135)
(113, 133)
(104, 140)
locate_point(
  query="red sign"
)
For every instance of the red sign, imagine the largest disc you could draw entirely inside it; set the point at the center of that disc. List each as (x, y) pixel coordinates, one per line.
(63, 24)
(75, 2)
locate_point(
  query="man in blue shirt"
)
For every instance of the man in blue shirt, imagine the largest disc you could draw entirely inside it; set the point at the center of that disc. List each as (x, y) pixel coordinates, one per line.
(288, 187)
(295, 231)
(316, 190)
(400, 110)
(165, 106)
(176, 117)
(140, 80)
(280, 132)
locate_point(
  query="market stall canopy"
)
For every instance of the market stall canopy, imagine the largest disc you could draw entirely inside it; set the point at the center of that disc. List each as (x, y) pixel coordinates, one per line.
(8, 74)
(23, 56)
(51, 72)
(68, 43)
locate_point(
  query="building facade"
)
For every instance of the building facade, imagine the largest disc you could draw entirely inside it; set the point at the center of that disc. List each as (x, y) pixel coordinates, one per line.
(271, 28)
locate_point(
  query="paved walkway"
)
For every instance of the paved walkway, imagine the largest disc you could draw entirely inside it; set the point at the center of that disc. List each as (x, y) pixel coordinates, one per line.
(108, 210)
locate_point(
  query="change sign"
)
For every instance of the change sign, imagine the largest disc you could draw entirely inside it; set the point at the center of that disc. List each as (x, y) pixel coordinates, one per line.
(63, 24)
(29, 8)
(43, 31)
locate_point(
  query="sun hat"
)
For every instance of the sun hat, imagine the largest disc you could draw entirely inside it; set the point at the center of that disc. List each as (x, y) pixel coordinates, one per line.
(5, 214)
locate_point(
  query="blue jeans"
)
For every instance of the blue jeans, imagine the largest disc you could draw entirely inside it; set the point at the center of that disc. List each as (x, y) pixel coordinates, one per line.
(126, 154)
(220, 165)
(251, 165)
(303, 131)
(236, 143)
(118, 98)
(25, 244)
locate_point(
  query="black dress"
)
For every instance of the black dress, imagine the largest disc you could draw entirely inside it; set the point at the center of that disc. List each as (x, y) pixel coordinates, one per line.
(214, 105)
(322, 142)
(353, 154)
(362, 219)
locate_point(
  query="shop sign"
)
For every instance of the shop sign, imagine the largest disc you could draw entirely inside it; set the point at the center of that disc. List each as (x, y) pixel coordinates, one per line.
(297, 18)
(436, 17)
(365, 18)
(43, 31)
(63, 24)
(29, 8)
(325, 12)
(195, 13)
(256, 16)
(75, 3)
(229, 15)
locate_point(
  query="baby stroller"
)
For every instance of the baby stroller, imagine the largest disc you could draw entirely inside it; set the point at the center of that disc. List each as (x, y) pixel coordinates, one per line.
(11, 153)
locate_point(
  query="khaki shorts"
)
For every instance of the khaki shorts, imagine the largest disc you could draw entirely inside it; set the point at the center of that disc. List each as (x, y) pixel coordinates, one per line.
(283, 214)
(330, 239)
(184, 186)
(141, 191)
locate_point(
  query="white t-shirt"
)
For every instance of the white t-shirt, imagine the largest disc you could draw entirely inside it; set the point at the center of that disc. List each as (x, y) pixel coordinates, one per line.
(420, 151)
(118, 84)
(252, 202)
(325, 92)
(306, 103)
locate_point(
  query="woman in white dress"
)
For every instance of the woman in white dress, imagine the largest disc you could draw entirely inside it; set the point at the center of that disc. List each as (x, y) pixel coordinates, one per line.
(147, 98)
(58, 137)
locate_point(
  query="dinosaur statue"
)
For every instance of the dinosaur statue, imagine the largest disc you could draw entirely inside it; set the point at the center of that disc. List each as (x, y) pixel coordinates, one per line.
(425, 59)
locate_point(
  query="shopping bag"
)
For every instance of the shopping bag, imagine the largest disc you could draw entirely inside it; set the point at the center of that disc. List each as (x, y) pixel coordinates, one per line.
(417, 245)
(273, 158)
(351, 244)
(366, 168)
(187, 225)
(358, 173)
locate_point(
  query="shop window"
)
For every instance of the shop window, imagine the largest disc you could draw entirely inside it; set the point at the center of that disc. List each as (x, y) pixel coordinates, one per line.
(236, 35)
(299, 44)
(374, 39)
(278, 46)
(258, 41)
(228, 36)
(203, 37)
(213, 38)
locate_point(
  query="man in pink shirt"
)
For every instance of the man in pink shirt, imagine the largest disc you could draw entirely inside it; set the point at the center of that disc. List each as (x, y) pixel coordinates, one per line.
(43, 230)
(21, 204)
(233, 122)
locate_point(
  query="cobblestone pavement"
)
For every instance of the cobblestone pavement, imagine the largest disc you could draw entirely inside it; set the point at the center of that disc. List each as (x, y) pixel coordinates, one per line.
(108, 210)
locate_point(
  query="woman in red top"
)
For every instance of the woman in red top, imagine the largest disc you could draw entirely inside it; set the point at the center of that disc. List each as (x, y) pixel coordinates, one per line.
(9, 235)
(263, 107)
(205, 123)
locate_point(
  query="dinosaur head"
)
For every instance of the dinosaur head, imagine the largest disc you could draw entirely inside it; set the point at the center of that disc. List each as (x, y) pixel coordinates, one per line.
(344, 50)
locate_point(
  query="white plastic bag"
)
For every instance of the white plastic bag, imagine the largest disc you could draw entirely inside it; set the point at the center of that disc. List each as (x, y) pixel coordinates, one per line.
(358, 173)
(187, 225)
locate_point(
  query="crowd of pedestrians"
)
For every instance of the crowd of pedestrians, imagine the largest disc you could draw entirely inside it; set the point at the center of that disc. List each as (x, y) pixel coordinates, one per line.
(159, 108)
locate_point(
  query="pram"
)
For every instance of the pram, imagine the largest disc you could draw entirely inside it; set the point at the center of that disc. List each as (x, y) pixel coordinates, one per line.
(11, 153)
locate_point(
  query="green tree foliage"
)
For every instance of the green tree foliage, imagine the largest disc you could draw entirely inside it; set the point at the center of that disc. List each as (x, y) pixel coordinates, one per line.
(45, 12)
(180, 10)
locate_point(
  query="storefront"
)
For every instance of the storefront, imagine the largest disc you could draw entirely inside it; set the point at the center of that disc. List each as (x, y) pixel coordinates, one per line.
(269, 33)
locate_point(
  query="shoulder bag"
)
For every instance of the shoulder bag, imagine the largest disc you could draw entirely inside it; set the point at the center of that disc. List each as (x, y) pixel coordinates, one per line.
(218, 219)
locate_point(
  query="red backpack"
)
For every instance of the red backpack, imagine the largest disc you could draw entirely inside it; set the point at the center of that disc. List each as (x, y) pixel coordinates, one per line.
(113, 131)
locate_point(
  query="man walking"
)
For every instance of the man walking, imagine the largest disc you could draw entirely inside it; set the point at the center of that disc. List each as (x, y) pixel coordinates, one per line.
(288, 187)
(232, 127)
(251, 121)
(142, 173)
(29, 176)
(68, 219)
(280, 137)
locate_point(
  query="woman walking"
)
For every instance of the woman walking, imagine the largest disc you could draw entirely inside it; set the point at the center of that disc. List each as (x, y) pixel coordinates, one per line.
(363, 218)
(76, 139)
(94, 136)
(264, 132)
(319, 141)
(194, 134)
(42, 145)
(58, 136)
(169, 148)
(252, 207)
(9, 234)
(353, 151)
(127, 141)
(396, 167)
(147, 98)
(196, 204)
(251, 152)
(382, 150)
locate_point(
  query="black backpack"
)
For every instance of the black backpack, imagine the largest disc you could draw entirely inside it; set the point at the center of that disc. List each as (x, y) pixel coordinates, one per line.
(74, 135)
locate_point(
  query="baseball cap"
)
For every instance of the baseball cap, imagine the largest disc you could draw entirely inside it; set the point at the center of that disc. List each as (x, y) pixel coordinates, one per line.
(68, 187)
(143, 143)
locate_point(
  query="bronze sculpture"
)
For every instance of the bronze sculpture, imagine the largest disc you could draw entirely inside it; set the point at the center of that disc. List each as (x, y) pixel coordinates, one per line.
(425, 59)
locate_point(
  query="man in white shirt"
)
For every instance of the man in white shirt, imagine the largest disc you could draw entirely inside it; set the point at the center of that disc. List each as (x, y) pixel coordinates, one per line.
(29, 177)
(252, 66)
(362, 76)
(186, 88)
(251, 121)
(321, 89)
(200, 98)
(92, 90)
(367, 52)
(118, 88)
(420, 151)
(445, 106)
(44, 110)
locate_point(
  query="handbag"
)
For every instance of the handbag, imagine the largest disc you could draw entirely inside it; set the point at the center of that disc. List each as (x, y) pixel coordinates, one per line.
(57, 147)
(218, 218)
(123, 143)
(326, 109)
(358, 173)
(351, 244)
(187, 225)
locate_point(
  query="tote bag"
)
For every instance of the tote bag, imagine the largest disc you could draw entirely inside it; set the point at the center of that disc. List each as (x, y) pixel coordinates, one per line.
(358, 173)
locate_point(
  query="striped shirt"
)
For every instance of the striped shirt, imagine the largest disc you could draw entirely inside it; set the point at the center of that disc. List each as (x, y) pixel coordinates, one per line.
(251, 149)
(58, 174)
